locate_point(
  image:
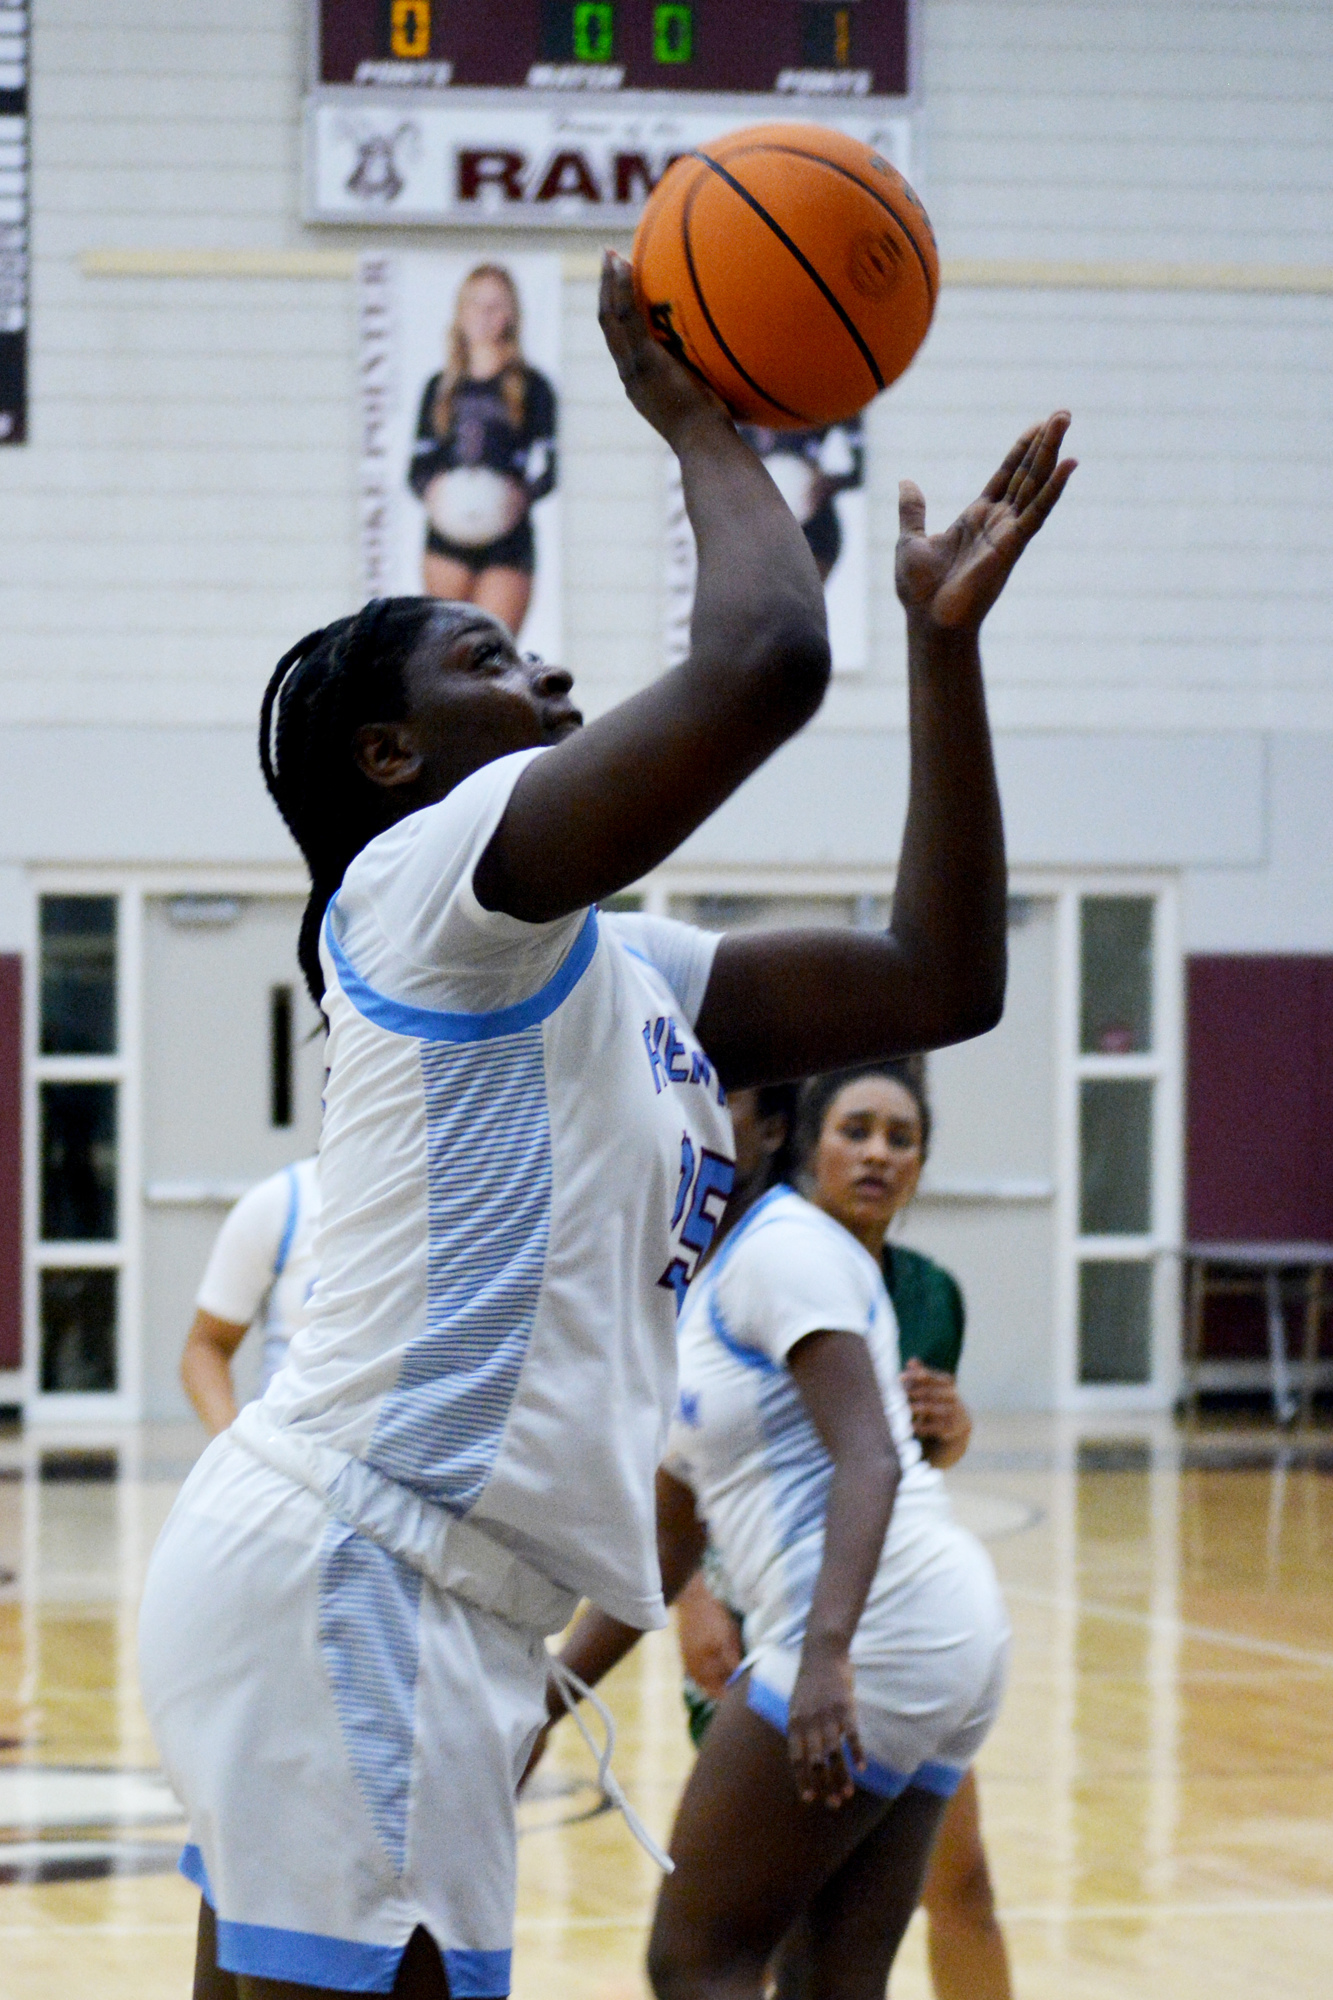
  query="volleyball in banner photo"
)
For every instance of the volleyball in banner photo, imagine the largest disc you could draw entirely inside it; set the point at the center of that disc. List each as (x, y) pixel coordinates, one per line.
(821, 476)
(460, 404)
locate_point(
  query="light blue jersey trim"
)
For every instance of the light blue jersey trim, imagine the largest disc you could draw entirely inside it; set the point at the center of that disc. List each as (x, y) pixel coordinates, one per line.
(314, 1960)
(307, 1958)
(191, 1866)
(749, 1357)
(289, 1227)
(428, 1024)
(727, 1248)
(477, 1975)
(941, 1779)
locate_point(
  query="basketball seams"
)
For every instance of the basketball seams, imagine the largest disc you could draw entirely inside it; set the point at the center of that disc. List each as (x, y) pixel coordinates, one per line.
(794, 250)
(772, 401)
(717, 264)
(799, 153)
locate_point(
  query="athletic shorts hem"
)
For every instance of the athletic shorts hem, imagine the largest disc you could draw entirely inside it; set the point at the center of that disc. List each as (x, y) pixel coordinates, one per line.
(942, 1780)
(309, 1959)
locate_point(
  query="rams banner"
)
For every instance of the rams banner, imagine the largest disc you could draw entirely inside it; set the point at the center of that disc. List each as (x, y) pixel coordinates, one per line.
(584, 163)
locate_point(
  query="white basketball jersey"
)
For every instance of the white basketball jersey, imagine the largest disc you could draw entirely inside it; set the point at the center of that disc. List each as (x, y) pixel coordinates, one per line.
(745, 1443)
(264, 1259)
(525, 1153)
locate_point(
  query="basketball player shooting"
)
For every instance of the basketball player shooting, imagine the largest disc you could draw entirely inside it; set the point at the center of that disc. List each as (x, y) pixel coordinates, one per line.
(524, 1156)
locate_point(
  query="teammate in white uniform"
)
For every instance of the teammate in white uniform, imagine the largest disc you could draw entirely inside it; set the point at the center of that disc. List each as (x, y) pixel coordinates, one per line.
(524, 1155)
(262, 1263)
(875, 1636)
(928, 1650)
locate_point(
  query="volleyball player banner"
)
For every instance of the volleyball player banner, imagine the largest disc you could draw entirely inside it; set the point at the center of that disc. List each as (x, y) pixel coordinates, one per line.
(460, 411)
(821, 476)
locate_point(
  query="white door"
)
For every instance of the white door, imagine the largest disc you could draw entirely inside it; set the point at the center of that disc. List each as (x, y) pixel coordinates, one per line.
(233, 1067)
(986, 1209)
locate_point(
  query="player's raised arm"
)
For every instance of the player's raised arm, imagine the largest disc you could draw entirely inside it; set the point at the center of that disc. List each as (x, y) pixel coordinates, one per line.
(615, 799)
(782, 1003)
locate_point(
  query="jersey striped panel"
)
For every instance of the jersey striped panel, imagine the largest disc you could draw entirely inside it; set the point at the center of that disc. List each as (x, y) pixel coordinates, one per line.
(368, 1635)
(488, 1165)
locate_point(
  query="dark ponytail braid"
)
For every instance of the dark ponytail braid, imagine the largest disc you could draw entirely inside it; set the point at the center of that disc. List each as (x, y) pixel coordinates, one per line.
(321, 692)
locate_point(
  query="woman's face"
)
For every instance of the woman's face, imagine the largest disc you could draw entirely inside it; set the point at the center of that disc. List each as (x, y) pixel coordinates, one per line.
(471, 697)
(485, 312)
(868, 1159)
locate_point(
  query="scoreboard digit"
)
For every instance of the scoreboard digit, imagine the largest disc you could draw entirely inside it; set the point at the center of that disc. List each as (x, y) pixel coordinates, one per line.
(409, 29)
(855, 48)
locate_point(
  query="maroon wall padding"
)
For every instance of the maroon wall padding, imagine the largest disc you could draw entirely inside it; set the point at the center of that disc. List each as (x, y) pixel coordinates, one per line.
(1259, 1099)
(11, 1161)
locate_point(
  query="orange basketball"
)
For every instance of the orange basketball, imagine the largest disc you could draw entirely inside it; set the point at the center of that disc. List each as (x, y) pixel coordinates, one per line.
(793, 267)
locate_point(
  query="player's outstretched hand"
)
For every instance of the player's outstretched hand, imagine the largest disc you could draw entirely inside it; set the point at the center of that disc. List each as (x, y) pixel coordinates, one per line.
(952, 580)
(660, 386)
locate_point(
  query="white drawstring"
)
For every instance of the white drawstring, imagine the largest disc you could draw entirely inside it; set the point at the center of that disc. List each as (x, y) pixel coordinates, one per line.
(572, 1692)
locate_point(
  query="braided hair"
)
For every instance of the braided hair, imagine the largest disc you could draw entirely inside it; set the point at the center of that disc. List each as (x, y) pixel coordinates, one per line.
(331, 682)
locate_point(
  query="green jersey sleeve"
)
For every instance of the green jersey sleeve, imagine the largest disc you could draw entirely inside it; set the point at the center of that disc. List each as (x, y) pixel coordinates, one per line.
(929, 1307)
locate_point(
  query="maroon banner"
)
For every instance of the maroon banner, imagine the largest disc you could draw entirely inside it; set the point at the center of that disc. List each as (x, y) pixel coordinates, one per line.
(11, 1161)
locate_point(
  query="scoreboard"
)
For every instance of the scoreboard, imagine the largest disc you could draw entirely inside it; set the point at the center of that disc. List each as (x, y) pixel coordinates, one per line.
(565, 112)
(740, 47)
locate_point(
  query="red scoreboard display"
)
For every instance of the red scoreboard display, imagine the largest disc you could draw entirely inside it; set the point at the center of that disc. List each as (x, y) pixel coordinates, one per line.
(564, 113)
(799, 48)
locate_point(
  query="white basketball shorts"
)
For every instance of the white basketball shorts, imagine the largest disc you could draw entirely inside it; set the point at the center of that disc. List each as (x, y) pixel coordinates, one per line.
(346, 1737)
(929, 1661)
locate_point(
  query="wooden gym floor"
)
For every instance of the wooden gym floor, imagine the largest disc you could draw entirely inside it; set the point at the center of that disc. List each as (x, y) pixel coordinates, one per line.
(1158, 1795)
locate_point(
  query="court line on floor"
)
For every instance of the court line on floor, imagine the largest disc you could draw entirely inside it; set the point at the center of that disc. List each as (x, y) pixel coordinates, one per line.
(1018, 1913)
(1212, 1635)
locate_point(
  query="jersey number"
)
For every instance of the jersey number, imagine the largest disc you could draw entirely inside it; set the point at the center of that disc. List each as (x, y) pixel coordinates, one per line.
(701, 1196)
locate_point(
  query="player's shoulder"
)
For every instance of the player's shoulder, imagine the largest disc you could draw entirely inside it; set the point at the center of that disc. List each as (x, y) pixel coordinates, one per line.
(680, 954)
(262, 1210)
(783, 1226)
(437, 835)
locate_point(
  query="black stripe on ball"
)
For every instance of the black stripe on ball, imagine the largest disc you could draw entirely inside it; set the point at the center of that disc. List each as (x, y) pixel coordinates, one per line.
(744, 373)
(799, 153)
(801, 258)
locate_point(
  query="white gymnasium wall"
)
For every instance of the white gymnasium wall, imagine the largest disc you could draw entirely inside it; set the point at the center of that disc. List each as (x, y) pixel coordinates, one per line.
(187, 504)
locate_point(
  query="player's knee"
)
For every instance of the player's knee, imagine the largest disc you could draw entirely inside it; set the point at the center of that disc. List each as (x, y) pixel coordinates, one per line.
(688, 1966)
(966, 1900)
(669, 1972)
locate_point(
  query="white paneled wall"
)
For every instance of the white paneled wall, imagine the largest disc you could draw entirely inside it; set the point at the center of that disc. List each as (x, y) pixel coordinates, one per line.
(187, 504)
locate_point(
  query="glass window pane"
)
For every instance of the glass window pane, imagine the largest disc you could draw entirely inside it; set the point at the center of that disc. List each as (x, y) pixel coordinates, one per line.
(744, 913)
(1116, 975)
(1114, 1322)
(78, 1162)
(1115, 1157)
(78, 975)
(78, 1330)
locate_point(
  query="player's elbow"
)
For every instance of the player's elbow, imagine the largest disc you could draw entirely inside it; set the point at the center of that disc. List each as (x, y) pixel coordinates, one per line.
(792, 663)
(983, 1009)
